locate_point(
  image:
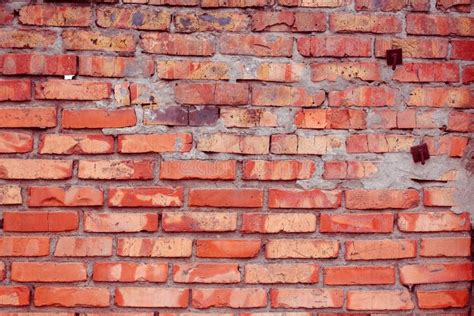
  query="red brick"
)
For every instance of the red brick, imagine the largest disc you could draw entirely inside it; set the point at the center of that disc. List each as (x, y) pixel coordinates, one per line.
(120, 222)
(256, 45)
(294, 198)
(381, 199)
(460, 122)
(192, 70)
(108, 66)
(357, 144)
(146, 196)
(349, 169)
(71, 296)
(467, 74)
(285, 96)
(445, 298)
(198, 169)
(424, 24)
(2, 265)
(156, 143)
(15, 90)
(227, 248)
(334, 46)
(379, 300)
(392, 5)
(132, 18)
(101, 41)
(232, 143)
(389, 143)
(366, 71)
(436, 196)
(436, 273)
(55, 89)
(32, 117)
(210, 21)
(24, 38)
(68, 144)
(357, 223)
(233, 298)
(98, 118)
(382, 249)
(176, 44)
(301, 249)
(212, 93)
(199, 222)
(6, 15)
(11, 142)
(206, 273)
(115, 169)
(234, 3)
(48, 272)
(462, 49)
(167, 247)
(288, 21)
(275, 72)
(10, 195)
(445, 247)
(306, 298)
(40, 221)
(83, 247)
(54, 15)
(331, 119)
(454, 146)
(442, 97)
(14, 296)
(130, 272)
(140, 297)
(413, 47)
(169, 2)
(64, 196)
(244, 198)
(363, 96)
(427, 72)
(314, 3)
(359, 275)
(276, 223)
(37, 64)
(26, 246)
(454, 5)
(433, 222)
(278, 169)
(365, 23)
(281, 273)
(35, 169)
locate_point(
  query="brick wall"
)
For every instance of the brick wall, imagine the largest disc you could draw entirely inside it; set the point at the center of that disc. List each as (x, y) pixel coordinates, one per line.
(228, 157)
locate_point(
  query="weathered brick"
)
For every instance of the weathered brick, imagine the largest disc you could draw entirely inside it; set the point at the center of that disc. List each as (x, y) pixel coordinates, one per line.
(413, 47)
(71, 296)
(193, 70)
(10, 194)
(131, 18)
(286, 96)
(314, 3)
(461, 122)
(288, 21)
(331, 119)
(212, 93)
(301, 249)
(48, 272)
(256, 45)
(115, 169)
(356, 223)
(28, 117)
(305, 145)
(363, 96)
(140, 297)
(435, 196)
(91, 40)
(365, 23)
(199, 222)
(379, 300)
(2, 265)
(334, 46)
(359, 275)
(462, 49)
(54, 15)
(171, 2)
(129, 272)
(275, 72)
(424, 24)
(467, 74)
(281, 273)
(68, 144)
(198, 169)
(442, 97)
(436, 273)
(17, 246)
(15, 90)
(177, 44)
(37, 64)
(245, 198)
(26, 39)
(234, 117)
(234, 3)
(367, 71)
(382, 249)
(12, 142)
(278, 169)
(167, 247)
(168, 115)
(306, 298)
(206, 273)
(433, 222)
(227, 248)
(349, 169)
(108, 66)
(120, 222)
(154, 143)
(360, 199)
(98, 118)
(234, 298)
(55, 89)
(40, 221)
(445, 247)
(209, 21)
(276, 223)
(6, 15)
(295, 198)
(14, 296)
(233, 143)
(146, 196)
(83, 247)
(64, 196)
(445, 298)
(35, 169)
(392, 5)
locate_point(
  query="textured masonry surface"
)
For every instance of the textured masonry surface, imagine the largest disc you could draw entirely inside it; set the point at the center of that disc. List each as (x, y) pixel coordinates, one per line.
(235, 157)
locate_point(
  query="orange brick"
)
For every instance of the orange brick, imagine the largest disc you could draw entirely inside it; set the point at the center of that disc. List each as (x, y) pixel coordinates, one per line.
(115, 169)
(288, 21)
(233, 298)
(357, 144)
(233, 143)
(379, 300)
(55, 89)
(206, 273)
(108, 66)
(278, 169)
(294, 198)
(27, 39)
(177, 44)
(413, 47)
(2, 271)
(275, 72)
(301, 249)
(15, 90)
(285, 96)
(433, 222)
(382, 249)
(461, 122)
(199, 222)
(83, 247)
(334, 46)
(366, 71)
(256, 45)
(98, 118)
(155, 143)
(381, 199)
(445, 247)
(71, 296)
(314, 3)
(54, 15)
(40, 221)
(22, 117)
(10, 195)
(132, 18)
(357, 223)
(98, 41)
(430, 24)
(193, 70)
(227, 248)
(212, 93)
(198, 169)
(167, 247)
(349, 169)
(360, 275)
(146, 196)
(435, 196)
(120, 222)
(234, 117)
(35, 169)
(436, 273)
(11, 142)
(140, 297)
(13, 246)
(446, 298)
(365, 23)
(442, 97)
(48, 272)
(331, 119)
(62, 196)
(281, 273)
(454, 146)
(68, 144)
(363, 96)
(234, 3)
(38, 64)
(306, 298)
(129, 272)
(427, 72)
(276, 223)
(211, 21)
(14, 296)
(391, 5)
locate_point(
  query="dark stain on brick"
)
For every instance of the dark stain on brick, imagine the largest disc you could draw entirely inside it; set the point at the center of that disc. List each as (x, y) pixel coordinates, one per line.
(137, 18)
(172, 115)
(203, 117)
(210, 18)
